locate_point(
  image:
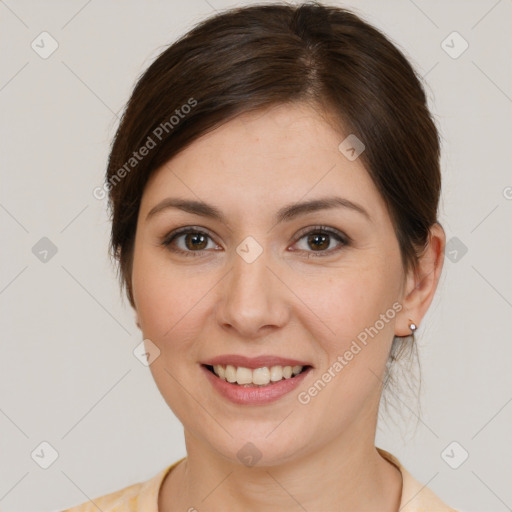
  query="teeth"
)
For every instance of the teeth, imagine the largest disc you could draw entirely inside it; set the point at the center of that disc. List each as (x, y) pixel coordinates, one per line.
(220, 371)
(258, 377)
(243, 375)
(230, 373)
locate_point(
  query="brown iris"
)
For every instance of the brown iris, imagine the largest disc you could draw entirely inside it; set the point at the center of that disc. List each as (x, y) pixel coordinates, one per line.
(196, 241)
(314, 239)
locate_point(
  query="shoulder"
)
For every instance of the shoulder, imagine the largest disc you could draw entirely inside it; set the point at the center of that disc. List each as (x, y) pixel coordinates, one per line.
(123, 499)
(138, 497)
(416, 497)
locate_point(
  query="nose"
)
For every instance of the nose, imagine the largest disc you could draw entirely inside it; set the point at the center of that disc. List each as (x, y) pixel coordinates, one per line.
(252, 300)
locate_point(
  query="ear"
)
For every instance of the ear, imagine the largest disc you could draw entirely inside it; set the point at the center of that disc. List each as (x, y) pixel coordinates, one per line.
(421, 284)
(137, 320)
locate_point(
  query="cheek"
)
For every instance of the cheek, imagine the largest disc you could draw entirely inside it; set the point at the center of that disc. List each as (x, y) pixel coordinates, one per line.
(156, 293)
(358, 306)
(353, 301)
(168, 299)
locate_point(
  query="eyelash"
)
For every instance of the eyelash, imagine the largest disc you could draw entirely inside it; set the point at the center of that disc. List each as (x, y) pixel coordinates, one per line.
(340, 237)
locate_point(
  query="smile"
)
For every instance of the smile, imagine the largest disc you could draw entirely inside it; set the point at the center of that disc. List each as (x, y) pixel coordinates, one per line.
(258, 377)
(247, 391)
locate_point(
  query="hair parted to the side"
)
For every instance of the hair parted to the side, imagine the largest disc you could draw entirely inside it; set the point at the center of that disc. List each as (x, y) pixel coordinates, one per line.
(249, 58)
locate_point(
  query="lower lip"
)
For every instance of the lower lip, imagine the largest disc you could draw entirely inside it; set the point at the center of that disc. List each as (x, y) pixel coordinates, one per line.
(254, 395)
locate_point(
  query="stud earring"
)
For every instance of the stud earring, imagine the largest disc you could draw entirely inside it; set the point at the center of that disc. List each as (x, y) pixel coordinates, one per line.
(412, 326)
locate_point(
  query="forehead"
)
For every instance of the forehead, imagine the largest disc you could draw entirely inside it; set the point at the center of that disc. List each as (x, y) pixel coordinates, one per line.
(270, 157)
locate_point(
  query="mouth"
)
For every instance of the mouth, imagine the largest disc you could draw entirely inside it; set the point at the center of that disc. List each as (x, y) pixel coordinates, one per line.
(256, 378)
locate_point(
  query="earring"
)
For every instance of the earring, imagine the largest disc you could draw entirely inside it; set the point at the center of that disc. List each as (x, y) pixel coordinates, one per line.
(412, 326)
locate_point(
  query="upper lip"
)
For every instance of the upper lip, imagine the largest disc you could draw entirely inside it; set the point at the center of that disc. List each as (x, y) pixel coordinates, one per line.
(253, 362)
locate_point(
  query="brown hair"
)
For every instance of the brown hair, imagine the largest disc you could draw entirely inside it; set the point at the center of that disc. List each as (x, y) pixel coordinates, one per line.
(249, 58)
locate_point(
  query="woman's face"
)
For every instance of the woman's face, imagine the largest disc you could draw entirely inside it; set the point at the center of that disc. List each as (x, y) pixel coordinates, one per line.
(321, 286)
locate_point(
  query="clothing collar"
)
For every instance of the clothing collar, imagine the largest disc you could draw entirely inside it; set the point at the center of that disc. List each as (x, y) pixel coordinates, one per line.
(415, 497)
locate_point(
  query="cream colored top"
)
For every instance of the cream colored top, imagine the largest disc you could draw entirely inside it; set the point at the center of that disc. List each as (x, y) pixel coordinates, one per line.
(143, 496)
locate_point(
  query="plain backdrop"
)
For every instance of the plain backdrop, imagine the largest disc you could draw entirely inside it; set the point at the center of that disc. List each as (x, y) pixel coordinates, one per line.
(68, 375)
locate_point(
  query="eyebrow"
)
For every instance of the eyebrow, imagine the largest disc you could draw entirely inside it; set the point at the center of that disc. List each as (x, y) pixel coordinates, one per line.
(286, 213)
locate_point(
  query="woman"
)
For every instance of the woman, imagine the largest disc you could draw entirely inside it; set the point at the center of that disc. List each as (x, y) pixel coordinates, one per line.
(274, 186)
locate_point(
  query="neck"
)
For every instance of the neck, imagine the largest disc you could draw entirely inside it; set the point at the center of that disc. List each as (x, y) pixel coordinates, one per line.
(346, 475)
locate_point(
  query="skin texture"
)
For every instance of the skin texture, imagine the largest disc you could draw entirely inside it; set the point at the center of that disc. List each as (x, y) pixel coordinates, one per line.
(291, 301)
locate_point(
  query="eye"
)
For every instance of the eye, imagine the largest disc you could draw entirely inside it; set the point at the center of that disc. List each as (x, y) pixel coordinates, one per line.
(190, 241)
(320, 239)
(187, 241)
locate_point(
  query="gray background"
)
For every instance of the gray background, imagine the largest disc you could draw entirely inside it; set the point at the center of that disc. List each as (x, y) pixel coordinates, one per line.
(67, 372)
